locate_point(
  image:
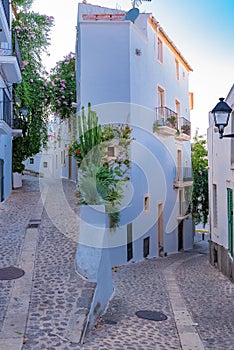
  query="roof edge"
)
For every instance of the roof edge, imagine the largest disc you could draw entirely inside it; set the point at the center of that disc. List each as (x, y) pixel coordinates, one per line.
(156, 26)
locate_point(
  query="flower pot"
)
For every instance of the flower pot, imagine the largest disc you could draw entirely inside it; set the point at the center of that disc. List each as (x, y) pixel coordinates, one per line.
(17, 180)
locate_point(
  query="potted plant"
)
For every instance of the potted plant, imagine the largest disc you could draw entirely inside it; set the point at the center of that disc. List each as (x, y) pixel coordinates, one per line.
(17, 168)
(185, 129)
(101, 177)
(171, 121)
(156, 124)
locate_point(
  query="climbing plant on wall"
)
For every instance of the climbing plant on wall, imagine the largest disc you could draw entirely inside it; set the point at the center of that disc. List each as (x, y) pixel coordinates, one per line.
(62, 87)
(32, 32)
(200, 196)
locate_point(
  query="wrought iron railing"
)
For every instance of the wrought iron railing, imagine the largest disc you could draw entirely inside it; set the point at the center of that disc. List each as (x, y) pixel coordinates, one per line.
(6, 6)
(13, 52)
(6, 110)
(185, 126)
(16, 50)
(166, 117)
(184, 174)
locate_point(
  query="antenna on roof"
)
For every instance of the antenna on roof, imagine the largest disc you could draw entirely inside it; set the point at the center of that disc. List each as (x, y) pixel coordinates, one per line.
(137, 2)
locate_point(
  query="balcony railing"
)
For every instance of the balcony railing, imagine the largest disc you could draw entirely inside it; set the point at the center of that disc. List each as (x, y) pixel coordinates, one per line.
(13, 52)
(166, 117)
(7, 112)
(184, 174)
(16, 51)
(185, 126)
(6, 6)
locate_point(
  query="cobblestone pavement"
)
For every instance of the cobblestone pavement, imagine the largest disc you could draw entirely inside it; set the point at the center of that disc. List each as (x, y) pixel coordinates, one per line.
(14, 216)
(208, 295)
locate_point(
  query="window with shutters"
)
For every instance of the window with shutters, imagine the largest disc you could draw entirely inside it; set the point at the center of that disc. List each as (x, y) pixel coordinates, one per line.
(230, 219)
(215, 211)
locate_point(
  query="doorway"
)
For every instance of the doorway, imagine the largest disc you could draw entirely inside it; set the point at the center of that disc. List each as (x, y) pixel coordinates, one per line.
(69, 167)
(180, 235)
(1, 180)
(230, 220)
(160, 229)
(129, 242)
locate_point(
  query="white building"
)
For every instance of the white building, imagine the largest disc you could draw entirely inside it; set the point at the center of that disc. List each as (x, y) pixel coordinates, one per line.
(54, 160)
(9, 73)
(221, 187)
(131, 71)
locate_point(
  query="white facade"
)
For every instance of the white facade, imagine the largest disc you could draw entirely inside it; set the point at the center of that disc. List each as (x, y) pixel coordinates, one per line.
(133, 73)
(9, 73)
(54, 160)
(221, 187)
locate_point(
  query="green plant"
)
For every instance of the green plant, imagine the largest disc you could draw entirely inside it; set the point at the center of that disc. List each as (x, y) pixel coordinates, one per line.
(200, 196)
(101, 178)
(156, 124)
(32, 32)
(186, 129)
(171, 121)
(61, 87)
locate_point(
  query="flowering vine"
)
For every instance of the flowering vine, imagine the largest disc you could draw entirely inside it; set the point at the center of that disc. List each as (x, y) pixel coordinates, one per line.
(61, 87)
(31, 30)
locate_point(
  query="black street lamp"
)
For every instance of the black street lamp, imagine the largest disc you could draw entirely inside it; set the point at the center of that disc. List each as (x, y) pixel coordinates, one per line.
(221, 114)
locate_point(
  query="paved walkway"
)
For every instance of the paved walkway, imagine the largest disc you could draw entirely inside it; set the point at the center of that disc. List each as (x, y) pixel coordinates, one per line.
(37, 312)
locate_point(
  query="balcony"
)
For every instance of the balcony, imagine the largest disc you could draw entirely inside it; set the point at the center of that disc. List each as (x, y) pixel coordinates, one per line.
(5, 35)
(184, 210)
(184, 177)
(166, 121)
(184, 133)
(10, 65)
(5, 115)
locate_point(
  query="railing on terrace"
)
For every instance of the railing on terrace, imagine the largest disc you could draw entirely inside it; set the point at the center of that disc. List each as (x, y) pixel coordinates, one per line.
(15, 52)
(6, 6)
(185, 126)
(166, 117)
(7, 112)
(184, 174)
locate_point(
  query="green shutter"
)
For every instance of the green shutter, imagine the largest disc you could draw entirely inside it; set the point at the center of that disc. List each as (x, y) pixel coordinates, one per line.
(230, 220)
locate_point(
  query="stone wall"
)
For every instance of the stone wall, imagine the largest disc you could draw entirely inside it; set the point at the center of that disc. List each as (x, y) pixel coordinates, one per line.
(220, 258)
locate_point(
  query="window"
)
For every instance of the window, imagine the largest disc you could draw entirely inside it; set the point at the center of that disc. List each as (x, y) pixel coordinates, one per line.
(181, 211)
(177, 66)
(230, 219)
(63, 158)
(160, 51)
(179, 165)
(146, 245)
(215, 211)
(161, 97)
(111, 151)
(232, 139)
(45, 164)
(31, 160)
(177, 106)
(146, 203)
(129, 242)
(191, 100)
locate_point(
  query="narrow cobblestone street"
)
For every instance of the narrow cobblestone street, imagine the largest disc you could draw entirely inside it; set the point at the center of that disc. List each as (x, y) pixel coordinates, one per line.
(185, 279)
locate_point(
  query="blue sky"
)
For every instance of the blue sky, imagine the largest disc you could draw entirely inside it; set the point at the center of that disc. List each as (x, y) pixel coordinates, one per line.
(203, 30)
